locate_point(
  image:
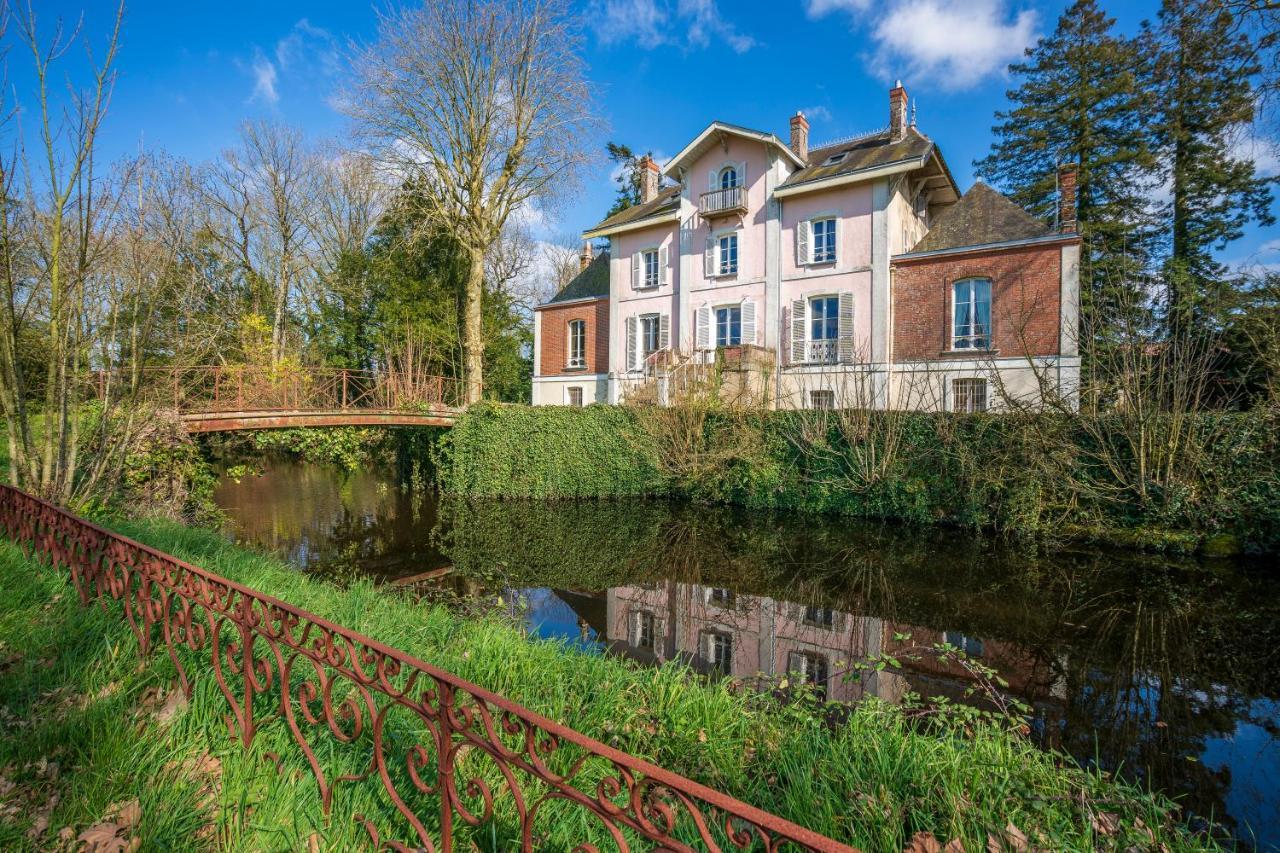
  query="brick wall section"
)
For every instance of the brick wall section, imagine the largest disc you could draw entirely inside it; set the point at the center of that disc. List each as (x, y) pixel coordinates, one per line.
(1025, 288)
(555, 337)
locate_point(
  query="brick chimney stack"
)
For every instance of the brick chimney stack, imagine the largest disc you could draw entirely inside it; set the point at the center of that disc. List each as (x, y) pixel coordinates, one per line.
(648, 179)
(1067, 174)
(897, 112)
(800, 135)
(584, 259)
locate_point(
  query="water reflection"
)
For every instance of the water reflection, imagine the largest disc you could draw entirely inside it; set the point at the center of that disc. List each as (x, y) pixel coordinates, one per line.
(1167, 669)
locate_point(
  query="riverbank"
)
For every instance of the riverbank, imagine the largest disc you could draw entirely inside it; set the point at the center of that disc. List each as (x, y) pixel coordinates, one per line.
(83, 724)
(1160, 483)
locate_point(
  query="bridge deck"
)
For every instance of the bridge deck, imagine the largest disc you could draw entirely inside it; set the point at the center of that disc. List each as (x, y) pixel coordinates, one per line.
(443, 416)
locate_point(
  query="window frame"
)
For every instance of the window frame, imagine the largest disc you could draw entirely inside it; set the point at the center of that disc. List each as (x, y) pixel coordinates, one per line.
(642, 333)
(723, 268)
(974, 404)
(715, 319)
(577, 334)
(828, 394)
(825, 617)
(650, 279)
(643, 620)
(570, 391)
(815, 662)
(954, 341)
(832, 237)
(722, 662)
(825, 298)
(973, 647)
(727, 169)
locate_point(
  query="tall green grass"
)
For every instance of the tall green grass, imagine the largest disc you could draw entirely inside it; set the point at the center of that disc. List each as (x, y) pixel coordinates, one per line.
(73, 694)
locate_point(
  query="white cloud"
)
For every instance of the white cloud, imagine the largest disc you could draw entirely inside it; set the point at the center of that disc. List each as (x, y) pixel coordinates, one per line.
(818, 113)
(656, 23)
(1263, 151)
(953, 43)
(264, 80)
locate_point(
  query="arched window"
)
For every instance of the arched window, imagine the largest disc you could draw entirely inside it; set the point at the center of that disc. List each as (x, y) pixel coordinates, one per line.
(728, 178)
(971, 314)
(577, 343)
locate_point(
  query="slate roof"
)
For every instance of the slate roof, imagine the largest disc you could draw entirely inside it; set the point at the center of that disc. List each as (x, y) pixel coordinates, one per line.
(591, 283)
(980, 217)
(865, 152)
(667, 200)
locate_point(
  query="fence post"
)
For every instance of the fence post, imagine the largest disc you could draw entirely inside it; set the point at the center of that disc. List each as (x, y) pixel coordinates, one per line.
(344, 388)
(217, 384)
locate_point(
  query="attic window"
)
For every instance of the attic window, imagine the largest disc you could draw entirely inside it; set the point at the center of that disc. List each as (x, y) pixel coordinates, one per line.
(835, 158)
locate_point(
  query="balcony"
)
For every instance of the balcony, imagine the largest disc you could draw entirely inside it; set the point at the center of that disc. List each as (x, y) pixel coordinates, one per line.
(723, 202)
(823, 352)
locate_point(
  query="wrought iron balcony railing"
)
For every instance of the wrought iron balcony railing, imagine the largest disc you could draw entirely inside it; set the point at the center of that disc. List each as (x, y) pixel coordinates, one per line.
(823, 352)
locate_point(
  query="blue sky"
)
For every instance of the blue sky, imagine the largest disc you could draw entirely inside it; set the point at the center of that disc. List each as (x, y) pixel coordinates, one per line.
(662, 69)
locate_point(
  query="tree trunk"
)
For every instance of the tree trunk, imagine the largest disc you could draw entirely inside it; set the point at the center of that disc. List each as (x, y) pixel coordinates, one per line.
(472, 331)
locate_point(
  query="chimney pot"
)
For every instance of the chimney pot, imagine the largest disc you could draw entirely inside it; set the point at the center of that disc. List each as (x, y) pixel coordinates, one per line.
(648, 179)
(584, 259)
(897, 112)
(1067, 175)
(800, 135)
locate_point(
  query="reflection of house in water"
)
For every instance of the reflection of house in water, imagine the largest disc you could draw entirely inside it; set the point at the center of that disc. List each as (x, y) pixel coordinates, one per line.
(743, 636)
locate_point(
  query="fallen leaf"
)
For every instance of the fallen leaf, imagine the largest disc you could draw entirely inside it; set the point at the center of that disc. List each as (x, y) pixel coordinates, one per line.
(702, 735)
(1105, 823)
(127, 814)
(103, 838)
(923, 842)
(313, 843)
(955, 845)
(176, 701)
(1017, 840)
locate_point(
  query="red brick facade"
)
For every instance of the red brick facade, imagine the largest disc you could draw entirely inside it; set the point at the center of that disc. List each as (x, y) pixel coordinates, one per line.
(1026, 285)
(554, 337)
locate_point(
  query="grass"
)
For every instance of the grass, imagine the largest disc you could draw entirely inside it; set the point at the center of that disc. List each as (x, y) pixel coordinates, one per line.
(85, 729)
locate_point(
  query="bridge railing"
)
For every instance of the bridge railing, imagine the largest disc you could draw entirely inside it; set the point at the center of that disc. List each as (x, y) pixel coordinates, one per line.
(238, 388)
(447, 754)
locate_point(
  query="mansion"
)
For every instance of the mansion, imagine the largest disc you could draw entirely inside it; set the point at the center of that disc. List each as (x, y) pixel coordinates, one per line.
(851, 274)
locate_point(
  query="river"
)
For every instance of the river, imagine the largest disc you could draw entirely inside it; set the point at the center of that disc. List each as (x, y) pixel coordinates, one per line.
(1167, 670)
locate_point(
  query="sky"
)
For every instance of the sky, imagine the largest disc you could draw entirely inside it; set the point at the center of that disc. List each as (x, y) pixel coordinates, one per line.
(661, 70)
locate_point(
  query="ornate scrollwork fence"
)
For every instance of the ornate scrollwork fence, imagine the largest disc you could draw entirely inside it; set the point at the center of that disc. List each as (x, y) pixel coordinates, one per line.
(449, 755)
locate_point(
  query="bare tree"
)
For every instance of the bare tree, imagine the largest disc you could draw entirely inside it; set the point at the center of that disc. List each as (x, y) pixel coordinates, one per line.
(482, 105)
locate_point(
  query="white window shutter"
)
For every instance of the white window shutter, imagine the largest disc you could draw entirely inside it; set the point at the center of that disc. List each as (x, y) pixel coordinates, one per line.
(664, 331)
(713, 180)
(748, 321)
(703, 324)
(631, 343)
(835, 256)
(637, 264)
(846, 327)
(742, 175)
(709, 257)
(664, 274)
(799, 317)
(803, 236)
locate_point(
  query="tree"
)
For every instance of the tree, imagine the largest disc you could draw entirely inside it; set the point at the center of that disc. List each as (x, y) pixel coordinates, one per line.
(1205, 98)
(482, 104)
(628, 177)
(1082, 100)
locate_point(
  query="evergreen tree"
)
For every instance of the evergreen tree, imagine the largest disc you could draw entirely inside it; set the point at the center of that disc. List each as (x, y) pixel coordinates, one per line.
(1205, 98)
(628, 177)
(1081, 100)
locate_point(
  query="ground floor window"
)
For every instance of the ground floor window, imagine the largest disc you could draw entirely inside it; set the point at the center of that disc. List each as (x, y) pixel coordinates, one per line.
(650, 326)
(971, 646)
(968, 395)
(718, 649)
(808, 667)
(575, 396)
(729, 326)
(643, 634)
(825, 399)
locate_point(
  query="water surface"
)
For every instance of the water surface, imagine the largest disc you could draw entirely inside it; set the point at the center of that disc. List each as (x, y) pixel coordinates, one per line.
(1166, 670)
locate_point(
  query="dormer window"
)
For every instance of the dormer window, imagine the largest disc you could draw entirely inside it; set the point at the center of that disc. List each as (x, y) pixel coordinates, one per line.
(835, 158)
(728, 178)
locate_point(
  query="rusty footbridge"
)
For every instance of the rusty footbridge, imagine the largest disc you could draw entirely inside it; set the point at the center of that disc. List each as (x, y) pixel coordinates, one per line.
(220, 398)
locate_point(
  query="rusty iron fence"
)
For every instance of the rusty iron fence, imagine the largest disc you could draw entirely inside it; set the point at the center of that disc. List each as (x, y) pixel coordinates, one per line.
(239, 388)
(448, 754)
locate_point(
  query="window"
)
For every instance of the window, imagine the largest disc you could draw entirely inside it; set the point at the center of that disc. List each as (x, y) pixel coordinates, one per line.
(729, 326)
(968, 395)
(808, 668)
(721, 597)
(824, 318)
(718, 649)
(728, 263)
(644, 631)
(728, 178)
(575, 396)
(835, 158)
(649, 329)
(825, 399)
(821, 617)
(971, 646)
(971, 323)
(577, 343)
(649, 263)
(824, 241)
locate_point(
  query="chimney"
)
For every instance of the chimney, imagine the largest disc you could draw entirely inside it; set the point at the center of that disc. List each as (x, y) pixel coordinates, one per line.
(897, 112)
(648, 179)
(1067, 174)
(800, 135)
(584, 260)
